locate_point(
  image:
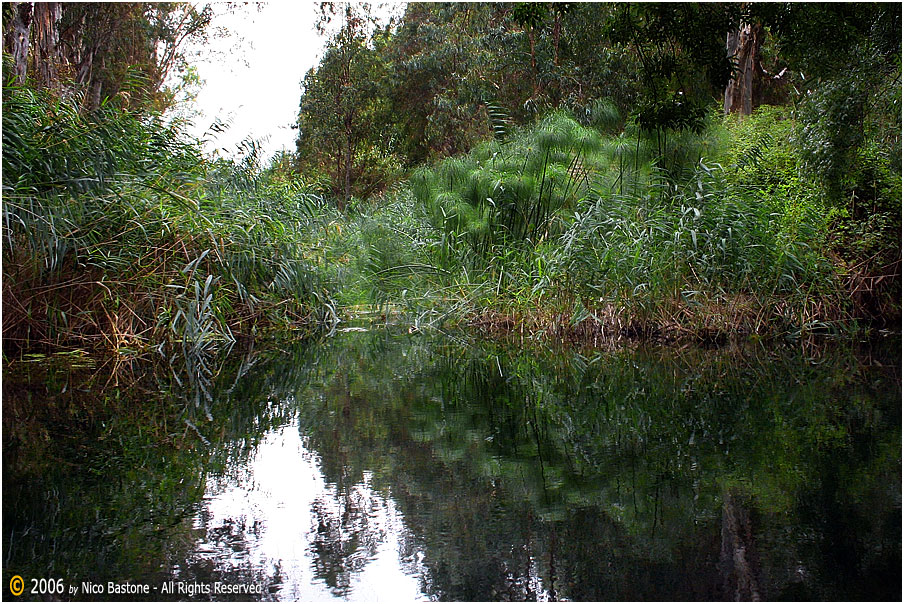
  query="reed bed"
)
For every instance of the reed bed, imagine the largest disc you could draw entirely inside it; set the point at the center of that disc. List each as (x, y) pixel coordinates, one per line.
(119, 234)
(669, 234)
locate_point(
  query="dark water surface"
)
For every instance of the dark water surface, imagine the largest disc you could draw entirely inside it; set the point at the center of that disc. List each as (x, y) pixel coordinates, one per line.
(380, 465)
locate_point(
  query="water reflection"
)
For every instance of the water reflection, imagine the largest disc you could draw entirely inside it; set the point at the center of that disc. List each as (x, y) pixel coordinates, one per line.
(389, 466)
(316, 540)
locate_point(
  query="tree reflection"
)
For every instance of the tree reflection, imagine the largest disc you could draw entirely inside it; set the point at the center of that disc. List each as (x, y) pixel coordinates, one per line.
(496, 473)
(524, 476)
(346, 539)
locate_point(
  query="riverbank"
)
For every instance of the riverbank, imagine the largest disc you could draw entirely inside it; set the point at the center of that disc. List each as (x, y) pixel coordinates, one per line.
(558, 228)
(119, 234)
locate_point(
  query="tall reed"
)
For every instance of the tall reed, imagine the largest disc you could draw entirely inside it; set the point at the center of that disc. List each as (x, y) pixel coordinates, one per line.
(117, 232)
(628, 226)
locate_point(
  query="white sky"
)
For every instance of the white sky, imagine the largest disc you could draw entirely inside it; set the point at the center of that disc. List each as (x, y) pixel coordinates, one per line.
(252, 78)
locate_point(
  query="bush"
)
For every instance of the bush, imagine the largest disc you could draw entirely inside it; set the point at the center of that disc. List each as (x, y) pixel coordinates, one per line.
(512, 193)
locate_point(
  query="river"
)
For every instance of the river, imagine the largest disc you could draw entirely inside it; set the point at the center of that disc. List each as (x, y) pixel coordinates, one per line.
(381, 465)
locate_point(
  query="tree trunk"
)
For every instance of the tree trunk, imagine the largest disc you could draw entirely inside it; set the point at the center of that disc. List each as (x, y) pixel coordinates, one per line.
(47, 43)
(533, 60)
(348, 161)
(78, 54)
(744, 47)
(334, 185)
(17, 38)
(84, 69)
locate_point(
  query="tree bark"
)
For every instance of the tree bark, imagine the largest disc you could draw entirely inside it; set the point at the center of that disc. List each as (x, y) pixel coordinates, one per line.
(744, 47)
(47, 43)
(533, 60)
(17, 38)
(348, 159)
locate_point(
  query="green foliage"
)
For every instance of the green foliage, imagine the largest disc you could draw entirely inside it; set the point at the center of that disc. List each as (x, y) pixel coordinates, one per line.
(847, 58)
(823, 39)
(529, 14)
(829, 136)
(595, 65)
(509, 194)
(604, 115)
(682, 51)
(451, 75)
(588, 168)
(707, 237)
(441, 72)
(155, 241)
(344, 111)
(765, 160)
(719, 222)
(128, 50)
(853, 217)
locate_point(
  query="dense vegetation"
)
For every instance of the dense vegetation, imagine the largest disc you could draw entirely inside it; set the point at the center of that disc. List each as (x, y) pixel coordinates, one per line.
(118, 232)
(585, 170)
(594, 184)
(589, 172)
(142, 239)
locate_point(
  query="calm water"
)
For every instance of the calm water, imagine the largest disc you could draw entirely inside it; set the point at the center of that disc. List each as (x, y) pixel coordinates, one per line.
(380, 465)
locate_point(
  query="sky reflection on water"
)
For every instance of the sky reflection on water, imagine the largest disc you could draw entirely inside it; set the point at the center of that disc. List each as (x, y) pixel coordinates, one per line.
(317, 541)
(375, 466)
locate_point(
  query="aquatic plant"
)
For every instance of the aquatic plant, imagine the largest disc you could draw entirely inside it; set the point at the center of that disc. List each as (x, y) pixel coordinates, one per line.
(634, 228)
(117, 232)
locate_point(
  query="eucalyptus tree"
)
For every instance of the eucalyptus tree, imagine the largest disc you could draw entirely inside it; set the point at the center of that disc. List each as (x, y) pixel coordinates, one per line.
(845, 65)
(443, 72)
(343, 103)
(681, 48)
(103, 49)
